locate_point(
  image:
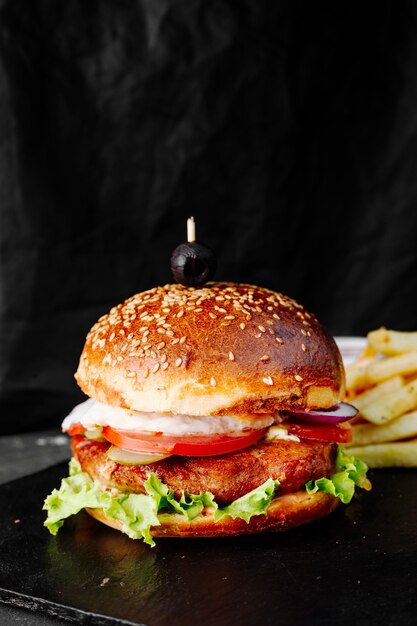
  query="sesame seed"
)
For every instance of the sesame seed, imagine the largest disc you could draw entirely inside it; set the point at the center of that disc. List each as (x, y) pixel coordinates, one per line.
(258, 335)
(165, 366)
(212, 315)
(155, 368)
(262, 328)
(162, 331)
(183, 339)
(220, 310)
(180, 313)
(229, 317)
(213, 382)
(112, 336)
(265, 357)
(242, 326)
(160, 345)
(176, 340)
(298, 377)
(231, 356)
(303, 347)
(178, 362)
(170, 333)
(146, 372)
(279, 340)
(268, 381)
(163, 357)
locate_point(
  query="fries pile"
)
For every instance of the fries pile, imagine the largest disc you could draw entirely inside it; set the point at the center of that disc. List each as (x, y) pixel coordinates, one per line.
(382, 384)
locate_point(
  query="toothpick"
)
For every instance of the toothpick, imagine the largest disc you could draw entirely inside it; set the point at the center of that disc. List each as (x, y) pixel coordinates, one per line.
(190, 229)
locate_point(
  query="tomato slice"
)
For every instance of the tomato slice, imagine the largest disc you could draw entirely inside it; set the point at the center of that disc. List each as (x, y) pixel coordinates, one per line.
(76, 429)
(338, 433)
(183, 445)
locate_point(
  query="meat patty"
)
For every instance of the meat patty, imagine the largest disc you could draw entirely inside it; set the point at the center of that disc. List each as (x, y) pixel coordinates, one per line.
(227, 476)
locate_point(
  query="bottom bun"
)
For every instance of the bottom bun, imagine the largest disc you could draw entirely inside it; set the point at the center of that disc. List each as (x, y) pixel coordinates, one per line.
(283, 513)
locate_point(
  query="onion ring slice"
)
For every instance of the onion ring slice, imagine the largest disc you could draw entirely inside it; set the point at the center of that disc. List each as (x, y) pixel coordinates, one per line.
(334, 415)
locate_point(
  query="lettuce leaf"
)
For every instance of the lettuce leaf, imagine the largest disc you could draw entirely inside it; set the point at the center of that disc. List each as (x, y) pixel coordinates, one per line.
(253, 503)
(352, 472)
(189, 505)
(74, 494)
(137, 513)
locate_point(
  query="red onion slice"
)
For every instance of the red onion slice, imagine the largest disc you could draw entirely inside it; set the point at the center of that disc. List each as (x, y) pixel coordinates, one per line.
(338, 413)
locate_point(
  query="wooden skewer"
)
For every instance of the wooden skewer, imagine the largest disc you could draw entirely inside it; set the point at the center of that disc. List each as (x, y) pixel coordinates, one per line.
(190, 229)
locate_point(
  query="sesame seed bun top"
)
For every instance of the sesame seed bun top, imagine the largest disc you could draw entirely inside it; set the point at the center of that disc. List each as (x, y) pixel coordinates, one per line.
(221, 349)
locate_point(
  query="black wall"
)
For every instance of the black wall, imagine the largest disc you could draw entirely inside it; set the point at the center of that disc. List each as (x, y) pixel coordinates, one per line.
(288, 129)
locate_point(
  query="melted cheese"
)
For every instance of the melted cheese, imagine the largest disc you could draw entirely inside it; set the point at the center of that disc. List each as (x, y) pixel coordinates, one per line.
(93, 414)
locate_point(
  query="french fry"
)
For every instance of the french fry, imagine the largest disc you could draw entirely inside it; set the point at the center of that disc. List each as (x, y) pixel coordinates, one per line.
(403, 427)
(392, 454)
(391, 342)
(386, 387)
(389, 406)
(367, 353)
(367, 373)
(382, 384)
(357, 374)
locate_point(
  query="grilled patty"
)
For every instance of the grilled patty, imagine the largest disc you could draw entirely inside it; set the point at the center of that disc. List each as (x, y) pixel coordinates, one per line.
(227, 476)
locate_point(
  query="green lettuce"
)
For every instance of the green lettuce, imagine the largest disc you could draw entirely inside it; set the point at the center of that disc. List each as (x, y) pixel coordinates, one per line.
(137, 513)
(253, 503)
(352, 472)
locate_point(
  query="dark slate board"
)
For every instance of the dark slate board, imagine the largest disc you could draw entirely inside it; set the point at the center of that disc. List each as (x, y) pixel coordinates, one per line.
(357, 566)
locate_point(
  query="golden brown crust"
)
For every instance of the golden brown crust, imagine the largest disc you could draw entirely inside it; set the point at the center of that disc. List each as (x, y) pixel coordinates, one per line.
(223, 349)
(283, 513)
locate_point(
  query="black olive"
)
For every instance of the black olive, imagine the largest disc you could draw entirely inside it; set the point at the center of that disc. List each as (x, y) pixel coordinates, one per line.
(193, 264)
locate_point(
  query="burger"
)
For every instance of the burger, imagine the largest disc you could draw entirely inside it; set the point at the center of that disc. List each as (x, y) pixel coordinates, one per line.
(211, 411)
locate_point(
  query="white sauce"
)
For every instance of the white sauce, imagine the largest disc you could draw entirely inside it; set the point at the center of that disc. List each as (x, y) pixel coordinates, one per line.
(93, 414)
(280, 432)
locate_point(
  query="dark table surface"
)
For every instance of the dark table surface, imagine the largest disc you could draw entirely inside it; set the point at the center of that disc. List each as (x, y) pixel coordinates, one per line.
(356, 566)
(21, 455)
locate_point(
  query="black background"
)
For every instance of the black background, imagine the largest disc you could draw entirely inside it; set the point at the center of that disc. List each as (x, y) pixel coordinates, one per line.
(288, 129)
